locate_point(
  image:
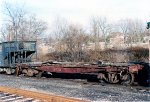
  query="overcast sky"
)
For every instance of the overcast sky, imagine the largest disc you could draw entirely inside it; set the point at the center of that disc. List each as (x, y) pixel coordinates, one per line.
(80, 11)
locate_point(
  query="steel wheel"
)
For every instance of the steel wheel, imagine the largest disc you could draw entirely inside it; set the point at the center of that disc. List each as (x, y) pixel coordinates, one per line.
(30, 72)
(39, 74)
(113, 78)
(128, 79)
(8, 71)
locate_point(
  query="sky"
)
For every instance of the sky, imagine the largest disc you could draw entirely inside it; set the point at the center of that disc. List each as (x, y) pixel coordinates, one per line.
(80, 11)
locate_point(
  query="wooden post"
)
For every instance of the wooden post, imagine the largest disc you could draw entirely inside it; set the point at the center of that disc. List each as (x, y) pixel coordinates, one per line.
(17, 70)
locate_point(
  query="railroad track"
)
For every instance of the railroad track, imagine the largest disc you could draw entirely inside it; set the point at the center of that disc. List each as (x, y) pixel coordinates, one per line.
(8, 94)
(7, 97)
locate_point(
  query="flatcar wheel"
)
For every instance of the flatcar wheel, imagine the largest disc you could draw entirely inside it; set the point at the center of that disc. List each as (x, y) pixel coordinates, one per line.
(30, 72)
(128, 79)
(8, 71)
(113, 78)
(39, 74)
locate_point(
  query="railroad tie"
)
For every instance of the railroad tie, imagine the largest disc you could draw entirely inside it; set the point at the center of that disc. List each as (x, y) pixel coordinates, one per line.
(9, 94)
(6, 97)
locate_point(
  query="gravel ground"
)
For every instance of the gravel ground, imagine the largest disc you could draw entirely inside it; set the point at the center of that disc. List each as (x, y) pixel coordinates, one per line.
(77, 89)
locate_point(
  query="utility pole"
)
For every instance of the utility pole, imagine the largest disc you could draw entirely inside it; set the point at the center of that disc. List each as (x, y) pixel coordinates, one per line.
(149, 49)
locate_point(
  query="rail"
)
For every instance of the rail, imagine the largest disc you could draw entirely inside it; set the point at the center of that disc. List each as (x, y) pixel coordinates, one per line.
(16, 94)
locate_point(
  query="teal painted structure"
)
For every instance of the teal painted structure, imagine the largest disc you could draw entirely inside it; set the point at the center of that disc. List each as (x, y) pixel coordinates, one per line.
(16, 52)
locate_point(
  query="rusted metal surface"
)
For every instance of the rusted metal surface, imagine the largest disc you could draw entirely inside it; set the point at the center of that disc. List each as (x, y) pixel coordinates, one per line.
(69, 69)
(58, 68)
(135, 68)
(109, 73)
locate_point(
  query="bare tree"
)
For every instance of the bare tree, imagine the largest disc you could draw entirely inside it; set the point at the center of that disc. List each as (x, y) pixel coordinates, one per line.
(101, 28)
(4, 30)
(132, 29)
(124, 28)
(136, 29)
(60, 27)
(32, 28)
(70, 40)
(96, 33)
(75, 39)
(104, 28)
(13, 17)
(19, 25)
